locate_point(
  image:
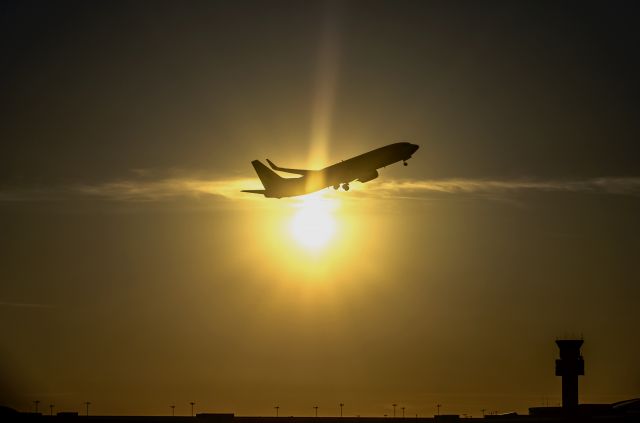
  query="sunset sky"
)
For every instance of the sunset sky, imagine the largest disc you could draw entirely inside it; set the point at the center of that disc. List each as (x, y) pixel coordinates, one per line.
(134, 273)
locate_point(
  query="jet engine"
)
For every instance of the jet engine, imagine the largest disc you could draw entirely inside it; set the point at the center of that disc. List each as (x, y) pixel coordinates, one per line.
(368, 177)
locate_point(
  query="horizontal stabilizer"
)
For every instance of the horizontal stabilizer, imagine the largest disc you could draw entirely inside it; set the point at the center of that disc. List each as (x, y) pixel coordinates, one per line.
(254, 191)
(282, 169)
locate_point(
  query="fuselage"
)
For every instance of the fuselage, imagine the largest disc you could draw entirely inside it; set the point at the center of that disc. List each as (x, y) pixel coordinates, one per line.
(363, 168)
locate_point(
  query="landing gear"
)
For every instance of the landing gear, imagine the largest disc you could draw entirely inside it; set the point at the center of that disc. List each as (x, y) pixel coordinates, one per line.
(345, 187)
(336, 186)
(404, 162)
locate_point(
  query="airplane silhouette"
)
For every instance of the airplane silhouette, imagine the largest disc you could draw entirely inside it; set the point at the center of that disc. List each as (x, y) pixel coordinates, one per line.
(363, 168)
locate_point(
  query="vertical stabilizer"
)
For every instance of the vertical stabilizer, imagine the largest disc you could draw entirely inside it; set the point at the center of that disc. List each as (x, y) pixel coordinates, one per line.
(267, 176)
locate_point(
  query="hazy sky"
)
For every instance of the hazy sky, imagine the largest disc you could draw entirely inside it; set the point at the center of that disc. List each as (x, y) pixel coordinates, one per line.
(135, 275)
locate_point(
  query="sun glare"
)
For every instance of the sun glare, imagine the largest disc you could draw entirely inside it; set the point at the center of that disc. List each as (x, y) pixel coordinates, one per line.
(314, 225)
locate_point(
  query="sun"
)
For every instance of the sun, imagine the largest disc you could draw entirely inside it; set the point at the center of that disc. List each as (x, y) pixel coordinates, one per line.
(314, 224)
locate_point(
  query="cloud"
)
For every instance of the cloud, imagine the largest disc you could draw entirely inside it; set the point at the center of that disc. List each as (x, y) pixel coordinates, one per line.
(167, 189)
(144, 189)
(138, 189)
(617, 186)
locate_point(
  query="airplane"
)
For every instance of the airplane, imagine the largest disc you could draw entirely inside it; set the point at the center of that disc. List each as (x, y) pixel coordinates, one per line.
(362, 168)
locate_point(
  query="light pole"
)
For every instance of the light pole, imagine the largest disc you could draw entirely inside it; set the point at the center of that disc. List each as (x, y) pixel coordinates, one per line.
(51, 409)
(316, 407)
(277, 407)
(394, 409)
(173, 410)
(438, 406)
(192, 404)
(341, 405)
(483, 410)
(36, 402)
(403, 412)
(87, 404)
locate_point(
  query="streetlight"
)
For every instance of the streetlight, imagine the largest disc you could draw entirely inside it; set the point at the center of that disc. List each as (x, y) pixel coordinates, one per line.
(438, 406)
(192, 404)
(341, 405)
(483, 410)
(394, 409)
(87, 404)
(173, 410)
(51, 409)
(36, 402)
(277, 407)
(403, 412)
(316, 407)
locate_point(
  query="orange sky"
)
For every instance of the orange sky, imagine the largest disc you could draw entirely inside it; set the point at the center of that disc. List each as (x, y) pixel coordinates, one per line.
(135, 275)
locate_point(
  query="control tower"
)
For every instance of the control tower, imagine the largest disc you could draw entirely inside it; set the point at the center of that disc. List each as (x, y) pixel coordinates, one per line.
(570, 365)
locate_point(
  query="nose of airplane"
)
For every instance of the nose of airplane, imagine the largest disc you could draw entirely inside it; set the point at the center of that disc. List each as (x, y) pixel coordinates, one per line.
(414, 148)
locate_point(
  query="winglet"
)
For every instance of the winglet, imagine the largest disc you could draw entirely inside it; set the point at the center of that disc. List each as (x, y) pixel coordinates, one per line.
(273, 166)
(287, 170)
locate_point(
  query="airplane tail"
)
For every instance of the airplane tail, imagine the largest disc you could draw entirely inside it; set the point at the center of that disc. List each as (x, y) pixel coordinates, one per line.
(267, 176)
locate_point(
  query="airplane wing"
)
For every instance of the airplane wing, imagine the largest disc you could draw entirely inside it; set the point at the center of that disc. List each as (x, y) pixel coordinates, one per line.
(282, 169)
